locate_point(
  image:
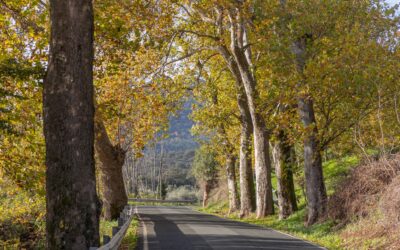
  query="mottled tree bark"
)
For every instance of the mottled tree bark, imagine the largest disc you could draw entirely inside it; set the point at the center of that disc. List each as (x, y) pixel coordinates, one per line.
(230, 158)
(247, 192)
(112, 159)
(231, 179)
(265, 205)
(284, 161)
(72, 206)
(314, 180)
(264, 199)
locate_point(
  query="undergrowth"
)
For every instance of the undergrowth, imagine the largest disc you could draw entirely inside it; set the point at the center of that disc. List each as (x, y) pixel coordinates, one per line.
(22, 218)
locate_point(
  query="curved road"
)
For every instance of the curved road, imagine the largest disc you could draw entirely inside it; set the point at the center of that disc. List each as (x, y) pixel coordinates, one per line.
(180, 228)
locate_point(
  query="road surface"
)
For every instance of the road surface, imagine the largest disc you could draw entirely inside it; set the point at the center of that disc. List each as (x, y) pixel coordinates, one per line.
(180, 228)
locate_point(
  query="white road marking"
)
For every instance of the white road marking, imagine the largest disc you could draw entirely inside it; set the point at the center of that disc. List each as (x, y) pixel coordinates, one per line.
(200, 230)
(145, 241)
(291, 236)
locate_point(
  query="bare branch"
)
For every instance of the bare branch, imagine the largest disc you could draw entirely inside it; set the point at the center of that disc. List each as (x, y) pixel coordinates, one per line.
(202, 13)
(214, 38)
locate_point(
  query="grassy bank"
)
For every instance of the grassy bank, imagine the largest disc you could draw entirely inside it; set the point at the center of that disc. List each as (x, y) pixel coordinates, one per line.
(131, 236)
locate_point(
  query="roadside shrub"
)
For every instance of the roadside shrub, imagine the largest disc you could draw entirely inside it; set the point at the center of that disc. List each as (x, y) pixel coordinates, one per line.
(360, 192)
(182, 193)
(369, 198)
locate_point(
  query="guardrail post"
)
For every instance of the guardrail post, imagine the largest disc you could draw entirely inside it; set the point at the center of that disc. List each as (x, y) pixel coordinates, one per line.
(115, 231)
(106, 239)
(121, 221)
(118, 232)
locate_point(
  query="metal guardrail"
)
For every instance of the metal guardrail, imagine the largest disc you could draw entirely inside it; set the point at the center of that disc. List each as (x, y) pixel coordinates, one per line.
(162, 201)
(118, 232)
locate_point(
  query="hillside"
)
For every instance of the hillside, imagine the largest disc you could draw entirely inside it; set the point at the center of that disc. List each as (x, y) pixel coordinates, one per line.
(179, 136)
(174, 155)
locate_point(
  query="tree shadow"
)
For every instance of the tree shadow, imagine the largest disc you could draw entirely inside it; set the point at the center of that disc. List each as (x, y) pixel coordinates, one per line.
(183, 229)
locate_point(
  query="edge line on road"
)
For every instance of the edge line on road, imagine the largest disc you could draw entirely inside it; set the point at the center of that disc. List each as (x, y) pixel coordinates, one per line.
(145, 242)
(320, 247)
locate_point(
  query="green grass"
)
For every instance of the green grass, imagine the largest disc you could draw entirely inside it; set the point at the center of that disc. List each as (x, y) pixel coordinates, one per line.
(106, 228)
(131, 236)
(130, 239)
(335, 170)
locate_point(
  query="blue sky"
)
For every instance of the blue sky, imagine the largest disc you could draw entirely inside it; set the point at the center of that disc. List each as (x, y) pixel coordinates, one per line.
(393, 2)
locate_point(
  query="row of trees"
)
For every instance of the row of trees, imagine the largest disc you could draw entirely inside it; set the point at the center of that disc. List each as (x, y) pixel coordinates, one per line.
(270, 78)
(282, 75)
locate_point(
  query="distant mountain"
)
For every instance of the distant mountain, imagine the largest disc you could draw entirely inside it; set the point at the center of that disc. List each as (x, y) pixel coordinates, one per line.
(179, 148)
(179, 136)
(176, 152)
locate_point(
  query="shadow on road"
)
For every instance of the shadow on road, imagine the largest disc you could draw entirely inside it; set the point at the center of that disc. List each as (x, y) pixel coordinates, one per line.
(184, 229)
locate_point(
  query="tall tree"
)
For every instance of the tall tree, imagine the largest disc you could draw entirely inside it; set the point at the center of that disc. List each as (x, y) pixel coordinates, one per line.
(72, 219)
(205, 169)
(223, 27)
(315, 185)
(218, 117)
(320, 58)
(132, 104)
(240, 46)
(247, 199)
(230, 159)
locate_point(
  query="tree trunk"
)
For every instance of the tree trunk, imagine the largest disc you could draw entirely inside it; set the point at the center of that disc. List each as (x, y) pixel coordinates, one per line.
(247, 199)
(242, 58)
(72, 205)
(284, 161)
(314, 180)
(135, 187)
(230, 164)
(160, 188)
(231, 179)
(265, 205)
(112, 159)
(206, 192)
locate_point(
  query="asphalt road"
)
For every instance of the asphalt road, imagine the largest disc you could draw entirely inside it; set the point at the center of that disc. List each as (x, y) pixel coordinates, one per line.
(180, 228)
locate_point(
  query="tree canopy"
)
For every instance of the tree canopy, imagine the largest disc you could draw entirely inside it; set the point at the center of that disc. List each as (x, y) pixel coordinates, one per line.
(277, 89)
